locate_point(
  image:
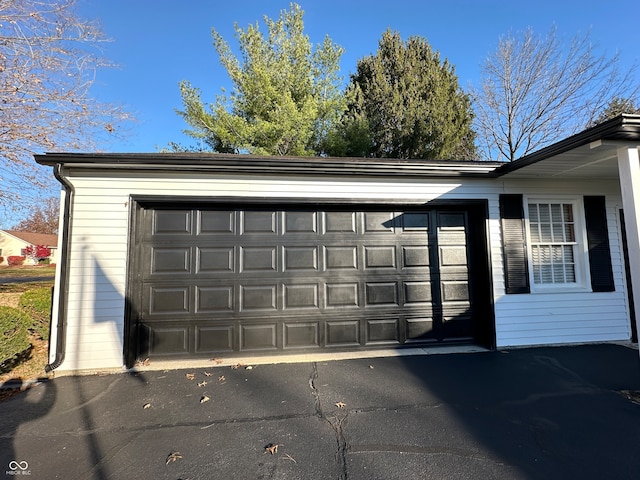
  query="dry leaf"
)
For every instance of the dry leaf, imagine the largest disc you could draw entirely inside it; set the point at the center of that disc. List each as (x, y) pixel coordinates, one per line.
(248, 367)
(173, 457)
(202, 384)
(341, 404)
(371, 367)
(271, 448)
(204, 399)
(146, 406)
(237, 366)
(216, 360)
(143, 363)
(289, 457)
(221, 378)
(190, 376)
(207, 374)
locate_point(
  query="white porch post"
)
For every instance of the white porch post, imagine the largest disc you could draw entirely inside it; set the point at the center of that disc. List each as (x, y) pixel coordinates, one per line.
(629, 171)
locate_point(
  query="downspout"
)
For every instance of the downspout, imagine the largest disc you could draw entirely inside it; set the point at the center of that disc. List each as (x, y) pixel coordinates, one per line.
(61, 329)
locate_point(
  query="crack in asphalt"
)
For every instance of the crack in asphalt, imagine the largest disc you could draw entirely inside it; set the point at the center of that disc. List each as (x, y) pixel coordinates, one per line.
(336, 423)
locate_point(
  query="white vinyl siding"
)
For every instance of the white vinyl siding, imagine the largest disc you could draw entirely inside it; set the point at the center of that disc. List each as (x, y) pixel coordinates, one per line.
(101, 231)
(555, 315)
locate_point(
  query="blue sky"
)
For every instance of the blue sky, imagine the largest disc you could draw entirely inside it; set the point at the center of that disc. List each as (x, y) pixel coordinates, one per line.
(158, 43)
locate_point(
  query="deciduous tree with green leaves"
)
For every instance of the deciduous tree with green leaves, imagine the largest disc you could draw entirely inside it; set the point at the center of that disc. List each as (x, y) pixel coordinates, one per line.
(405, 102)
(286, 92)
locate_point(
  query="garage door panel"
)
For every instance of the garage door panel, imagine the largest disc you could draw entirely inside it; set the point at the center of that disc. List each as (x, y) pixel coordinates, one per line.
(169, 300)
(300, 258)
(242, 280)
(214, 339)
(342, 333)
(383, 331)
(256, 337)
(301, 335)
(216, 260)
(174, 260)
(215, 299)
(172, 222)
(214, 222)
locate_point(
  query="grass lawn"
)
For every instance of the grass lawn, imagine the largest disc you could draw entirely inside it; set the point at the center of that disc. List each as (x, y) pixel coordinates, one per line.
(31, 366)
(25, 271)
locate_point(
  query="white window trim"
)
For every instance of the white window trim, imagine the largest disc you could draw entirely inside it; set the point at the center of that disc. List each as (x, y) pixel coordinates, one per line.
(581, 254)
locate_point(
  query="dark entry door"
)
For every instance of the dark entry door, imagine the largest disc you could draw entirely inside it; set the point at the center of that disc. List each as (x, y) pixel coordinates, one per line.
(212, 280)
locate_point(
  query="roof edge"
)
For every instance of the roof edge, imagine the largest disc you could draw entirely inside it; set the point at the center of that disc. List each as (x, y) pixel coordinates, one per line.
(623, 127)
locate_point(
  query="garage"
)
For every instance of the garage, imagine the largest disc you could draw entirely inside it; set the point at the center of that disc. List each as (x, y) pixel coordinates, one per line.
(228, 279)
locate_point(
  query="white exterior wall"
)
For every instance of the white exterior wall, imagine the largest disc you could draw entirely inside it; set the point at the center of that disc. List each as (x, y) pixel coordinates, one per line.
(565, 317)
(100, 234)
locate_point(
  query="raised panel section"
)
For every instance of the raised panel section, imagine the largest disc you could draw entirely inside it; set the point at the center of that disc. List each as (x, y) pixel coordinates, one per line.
(170, 260)
(300, 222)
(382, 293)
(214, 299)
(261, 297)
(414, 256)
(215, 259)
(341, 257)
(380, 257)
(340, 222)
(168, 340)
(451, 220)
(301, 335)
(379, 222)
(415, 222)
(342, 333)
(453, 256)
(172, 222)
(342, 295)
(216, 222)
(453, 291)
(165, 301)
(300, 296)
(419, 329)
(214, 339)
(417, 292)
(300, 258)
(255, 259)
(258, 222)
(258, 337)
(383, 331)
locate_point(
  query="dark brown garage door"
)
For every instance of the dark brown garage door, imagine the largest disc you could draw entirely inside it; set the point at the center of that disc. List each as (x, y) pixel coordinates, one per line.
(214, 280)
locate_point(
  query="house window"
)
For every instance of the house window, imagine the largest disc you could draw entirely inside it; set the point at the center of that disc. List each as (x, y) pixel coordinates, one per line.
(555, 238)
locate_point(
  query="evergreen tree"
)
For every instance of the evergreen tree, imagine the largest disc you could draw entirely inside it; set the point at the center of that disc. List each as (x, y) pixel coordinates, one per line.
(286, 93)
(404, 102)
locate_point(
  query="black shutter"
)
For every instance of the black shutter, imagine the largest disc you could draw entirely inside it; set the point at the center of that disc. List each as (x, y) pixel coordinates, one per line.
(598, 242)
(514, 246)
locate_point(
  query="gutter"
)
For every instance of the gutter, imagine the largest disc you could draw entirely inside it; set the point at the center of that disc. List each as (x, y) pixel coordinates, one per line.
(61, 329)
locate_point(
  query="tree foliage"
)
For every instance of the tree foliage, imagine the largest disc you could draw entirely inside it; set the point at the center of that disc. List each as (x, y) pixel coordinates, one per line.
(43, 218)
(286, 92)
(48, 62)
(404, 102)
(535, 89)
(615, 107)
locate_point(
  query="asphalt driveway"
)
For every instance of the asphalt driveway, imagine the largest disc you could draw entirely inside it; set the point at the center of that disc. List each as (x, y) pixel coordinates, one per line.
(521, 414)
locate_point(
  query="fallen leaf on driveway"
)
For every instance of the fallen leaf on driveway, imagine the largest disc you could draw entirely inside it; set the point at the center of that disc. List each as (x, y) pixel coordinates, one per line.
(202, 384)
(341, 404)
(216, 360)
(207, 374)
(204, 399)
(173, 457)
(221, 378)
(271, 448)
(237, 366)
(248, 367)
(146, 406)
(190, 376)
(289, 457)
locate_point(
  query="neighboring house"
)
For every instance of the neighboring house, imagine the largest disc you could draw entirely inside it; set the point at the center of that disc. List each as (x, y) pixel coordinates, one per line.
(180, 256)
(13, 243)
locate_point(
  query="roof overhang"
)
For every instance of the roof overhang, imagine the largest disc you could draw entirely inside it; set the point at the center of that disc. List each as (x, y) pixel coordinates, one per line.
(591, 153)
